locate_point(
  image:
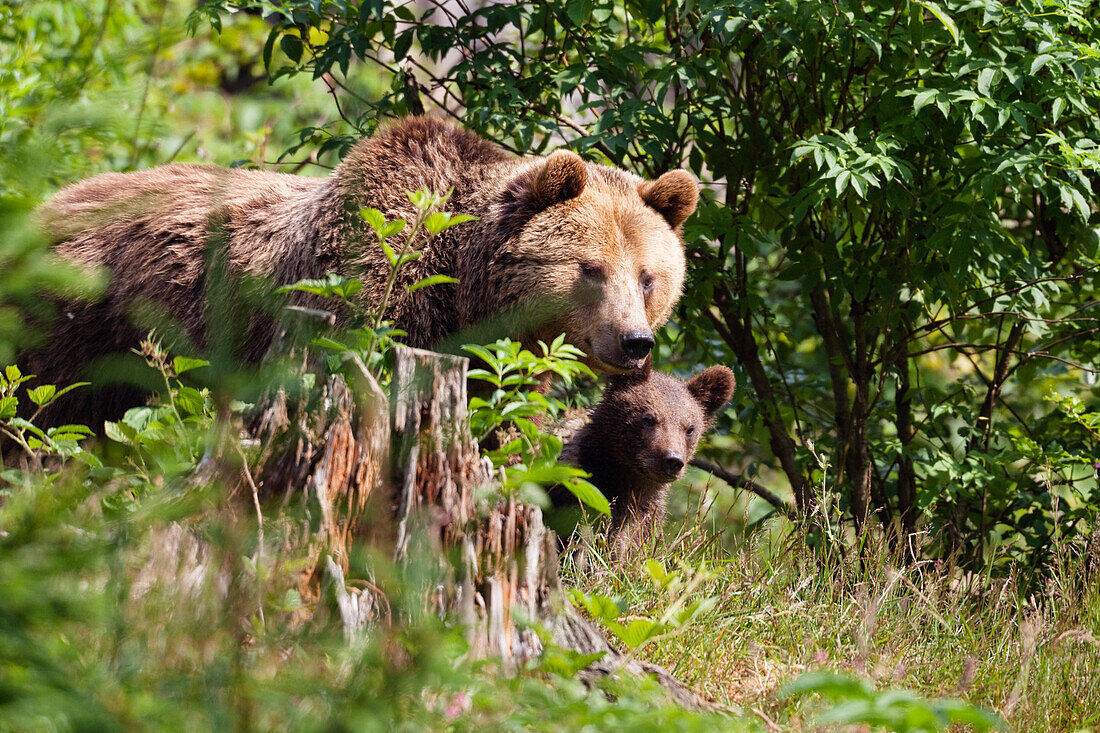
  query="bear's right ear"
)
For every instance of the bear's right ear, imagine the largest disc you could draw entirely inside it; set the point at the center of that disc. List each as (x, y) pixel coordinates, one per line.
(712, 388)
(562, 176)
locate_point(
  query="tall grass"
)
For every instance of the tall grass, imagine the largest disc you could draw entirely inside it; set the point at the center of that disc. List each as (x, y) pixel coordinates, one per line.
(1028, 651)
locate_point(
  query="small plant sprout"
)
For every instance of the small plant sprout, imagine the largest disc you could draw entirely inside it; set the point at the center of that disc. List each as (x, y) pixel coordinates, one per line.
(371, 340)
(62, 440)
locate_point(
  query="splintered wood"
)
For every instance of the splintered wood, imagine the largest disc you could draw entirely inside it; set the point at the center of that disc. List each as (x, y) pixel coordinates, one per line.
(336, 448)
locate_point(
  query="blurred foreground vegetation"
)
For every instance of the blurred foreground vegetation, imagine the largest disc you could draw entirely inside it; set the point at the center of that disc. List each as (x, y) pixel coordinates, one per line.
(897, 250)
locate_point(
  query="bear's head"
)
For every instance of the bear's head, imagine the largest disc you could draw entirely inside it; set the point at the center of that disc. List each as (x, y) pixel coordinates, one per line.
(601, 253)
(653, 421)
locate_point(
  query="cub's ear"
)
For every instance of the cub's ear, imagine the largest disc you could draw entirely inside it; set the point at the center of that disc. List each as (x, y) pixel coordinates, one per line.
(634, 376)
(674, 196)
(562, 176)
(712, 388)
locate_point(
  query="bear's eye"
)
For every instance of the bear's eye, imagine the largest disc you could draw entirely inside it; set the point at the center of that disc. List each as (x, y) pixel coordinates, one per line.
(649, 420)
(594, 270)
(648, 281)
(690, 430)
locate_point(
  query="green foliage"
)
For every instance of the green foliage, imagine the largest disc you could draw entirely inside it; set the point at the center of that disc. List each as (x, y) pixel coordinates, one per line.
(530, 457)
(858, 703)
(169, 438)
(34, 442)
(684, 606)
(369, 336)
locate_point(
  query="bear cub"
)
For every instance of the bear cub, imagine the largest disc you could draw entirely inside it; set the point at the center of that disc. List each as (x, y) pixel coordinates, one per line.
(641, 436)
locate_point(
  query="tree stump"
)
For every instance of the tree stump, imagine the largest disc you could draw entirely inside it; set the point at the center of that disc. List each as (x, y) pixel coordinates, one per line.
(420, 472)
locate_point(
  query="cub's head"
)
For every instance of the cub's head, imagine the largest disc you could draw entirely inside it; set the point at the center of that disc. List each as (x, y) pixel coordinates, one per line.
(653, 421)
(599, 254)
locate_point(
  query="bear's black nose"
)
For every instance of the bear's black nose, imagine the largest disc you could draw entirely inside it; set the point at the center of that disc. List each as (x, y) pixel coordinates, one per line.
(674, 462)
(636, 344)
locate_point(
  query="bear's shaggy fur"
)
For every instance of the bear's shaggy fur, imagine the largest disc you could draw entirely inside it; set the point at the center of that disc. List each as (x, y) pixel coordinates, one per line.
(559, 246)
(641, 435)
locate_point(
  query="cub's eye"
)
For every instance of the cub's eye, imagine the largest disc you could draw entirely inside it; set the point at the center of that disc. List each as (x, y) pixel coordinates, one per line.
(648, 281)
(594, 270)
(691, 430)
(649, 421)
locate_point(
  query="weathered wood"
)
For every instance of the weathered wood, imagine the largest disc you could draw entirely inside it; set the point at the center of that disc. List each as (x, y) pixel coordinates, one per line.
(334, 448)
(508, 559)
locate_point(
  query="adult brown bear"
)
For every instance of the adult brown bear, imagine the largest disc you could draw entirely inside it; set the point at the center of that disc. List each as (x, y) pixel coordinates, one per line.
(558, 246)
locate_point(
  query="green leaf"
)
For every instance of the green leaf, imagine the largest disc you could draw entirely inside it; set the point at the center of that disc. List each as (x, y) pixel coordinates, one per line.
(42, 395)
(639, 631)
(985, 80)
(120, 432)
(924, 98)
(1040, 61)
(375, 218)
(578, 11)
(292, 47)
(433, 280)
(1057, 108)
(190, 400)
(388, 250)
(944, 18)
(182, 364)
(589, 495)
(841, 181)
(8, 406)
(391, 228)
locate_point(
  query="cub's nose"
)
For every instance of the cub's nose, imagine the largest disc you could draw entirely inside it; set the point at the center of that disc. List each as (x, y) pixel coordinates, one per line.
(674, 463)
(636, 344)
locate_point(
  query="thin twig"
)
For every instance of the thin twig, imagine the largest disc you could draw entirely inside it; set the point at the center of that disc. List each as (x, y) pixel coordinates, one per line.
(740, 482)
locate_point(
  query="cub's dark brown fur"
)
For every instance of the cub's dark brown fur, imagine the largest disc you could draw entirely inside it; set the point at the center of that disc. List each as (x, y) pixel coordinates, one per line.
(641, 435)
(559, 246)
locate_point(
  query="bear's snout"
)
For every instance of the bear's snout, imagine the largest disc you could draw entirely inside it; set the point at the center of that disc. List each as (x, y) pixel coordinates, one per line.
(674, 463)
(636, 345)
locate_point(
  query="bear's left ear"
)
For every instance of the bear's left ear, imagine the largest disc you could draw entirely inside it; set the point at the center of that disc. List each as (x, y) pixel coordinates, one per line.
(674, 196)
(712, 388)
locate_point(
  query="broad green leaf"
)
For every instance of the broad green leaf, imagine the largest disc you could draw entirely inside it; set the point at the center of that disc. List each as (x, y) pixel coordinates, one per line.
(119, 432)
(390, 254)
(433, 280)
(182, 364)
(375, 218)
(589, 495)
(43, 394)
(8, 406)
(985, 80)
(1040, 61)
(924, 98)
(639, 631)
(391, 228)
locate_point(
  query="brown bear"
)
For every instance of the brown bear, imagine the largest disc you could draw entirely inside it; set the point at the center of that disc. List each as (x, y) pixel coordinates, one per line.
(558, 246)
(641, 435)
